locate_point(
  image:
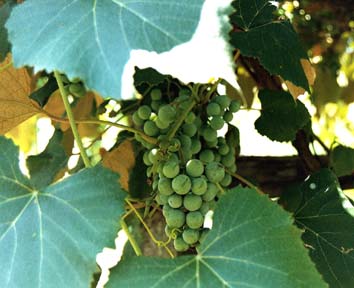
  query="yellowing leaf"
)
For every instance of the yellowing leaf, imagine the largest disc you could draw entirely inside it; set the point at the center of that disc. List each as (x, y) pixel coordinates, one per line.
(310, 73)
(121, 160)
(15, 106)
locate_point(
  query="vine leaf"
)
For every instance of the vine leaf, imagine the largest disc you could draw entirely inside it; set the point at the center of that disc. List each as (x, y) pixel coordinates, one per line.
(281, 116)
(328, 226)
(51, 236)
(253, 243)
(15, 106)
(122, 161)
(342, 160)
(5, 46)
(92, 40)
(44, 167)
(275, 43)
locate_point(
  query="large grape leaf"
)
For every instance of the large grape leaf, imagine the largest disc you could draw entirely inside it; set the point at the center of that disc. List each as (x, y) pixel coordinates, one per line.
(342, 160)
(274, 42)
(328, 226)
(92, 40)
(253, 243)
(50, 237)
(281, 115)
(5, 11)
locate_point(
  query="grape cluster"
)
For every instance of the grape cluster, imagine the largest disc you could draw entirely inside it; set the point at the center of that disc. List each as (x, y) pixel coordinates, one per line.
(188, 165)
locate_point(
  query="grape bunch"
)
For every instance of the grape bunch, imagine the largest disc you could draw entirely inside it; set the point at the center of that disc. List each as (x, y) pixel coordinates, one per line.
(188, 164)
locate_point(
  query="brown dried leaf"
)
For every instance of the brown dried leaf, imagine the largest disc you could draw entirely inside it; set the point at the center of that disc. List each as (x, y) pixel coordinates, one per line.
(121, 160)
(310, 73)
(15, 106)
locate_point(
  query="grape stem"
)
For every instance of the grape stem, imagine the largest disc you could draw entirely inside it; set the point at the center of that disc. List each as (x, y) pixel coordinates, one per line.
(103, 122)
(157, 242)
(245, 181)
(131, 239)
(69, 112)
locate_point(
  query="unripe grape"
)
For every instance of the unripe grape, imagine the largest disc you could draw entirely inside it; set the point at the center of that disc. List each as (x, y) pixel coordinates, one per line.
(194, 219)
(161, 199)
(155, 155)
(186, 152)
(144, 112)
(223, 100)
(185, 140)
(194, 168)
(204, 209)
(189, 129)
(210, 134)
(170, 169)
(213, 109)
(165, 186)
(137, 120)
(150, 128)
(155, 94)
(211, 192)
(228, 159)
(196, 146)
(217, 157)
(167, 113)
(180, 245)
(212, 144)
(175, 145)
(190, 118)
(206, 156)
(226, 181)
(146, 159)
(190, 236)
(155, 105)
(235, 106)
(192, 202)
(228, 116)
(175, 201)
(214, 172)
(181, 184)
(233, 168)
(161, 125)
(224, 149)
(175, 218)
(199, 185)
(217, 122)
(77, 89)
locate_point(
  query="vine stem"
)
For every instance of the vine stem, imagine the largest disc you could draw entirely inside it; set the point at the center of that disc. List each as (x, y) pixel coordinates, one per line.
(245, 181)
(159, 243)
(103, 122)
(131, 239)
(69, 112)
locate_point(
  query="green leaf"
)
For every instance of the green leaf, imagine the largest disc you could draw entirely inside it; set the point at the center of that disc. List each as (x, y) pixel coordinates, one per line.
(50, 237)
(342, 160)
(281, 116)
(5, 46)
(148, 76)
(92, 40)
(273, 42)
(44, 167)
(253, 243)
(328, 226)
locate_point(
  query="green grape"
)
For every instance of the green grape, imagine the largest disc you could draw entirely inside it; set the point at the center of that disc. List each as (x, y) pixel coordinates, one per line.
(166, 210)
(155, 155)
(180, 245)
(149, 171)
(190, 236)
(170, 168)
(175, 145)
(190, 118)
(181, 184)
(212, 144)
(199, 185)
(223, 149)
(155, 183)
(214, 172)
(228, 159)
(212, 204)
(204, 209)
(223, 100)
(160, 124)
(137, 120)
(233, 168)
(175, 218)
(196, 146)
(211, 192)
(194, 219)
(150, 128)
(194, 168)
(175, 201)
(167, 113)
(226, 181)
(206, 156)
(192, 202)
(189, 129)
(165, 186)
(146, 159)
(217, 157)
(235, 106)
(217, 122)
(155, 105)
(228, 116)
(213, 109)
(221, 141)
(155, 94)
(169, 231)
(186, 141)
(77, 89)
(186, 152)
(144, 112)
(173, 157)
(161, 199)
(210, 134)
(198, 122)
